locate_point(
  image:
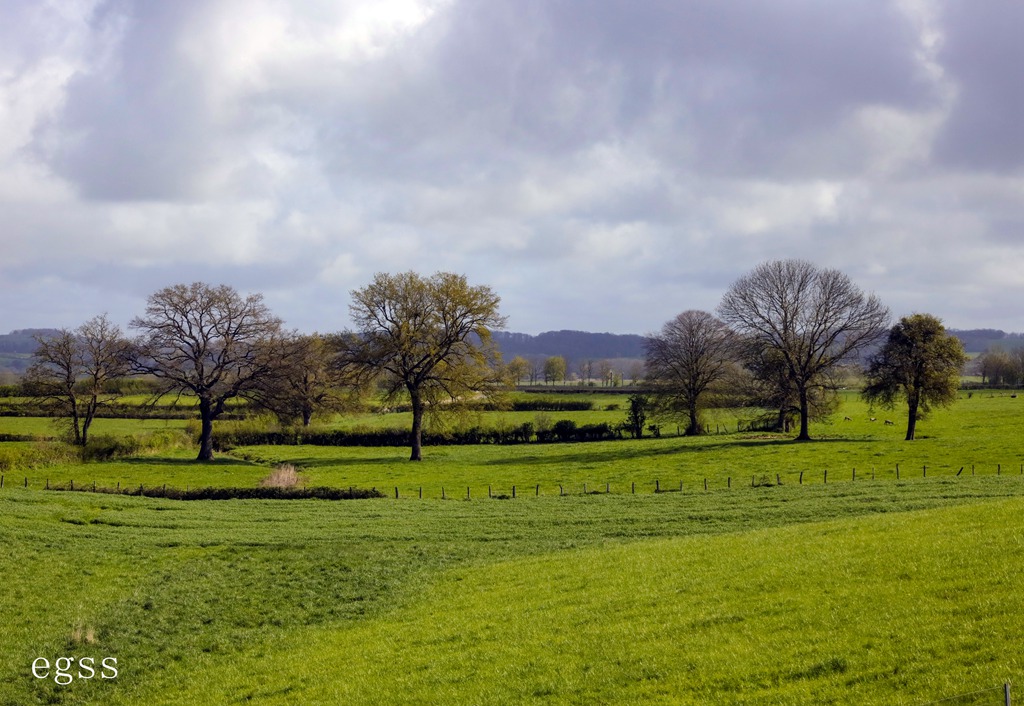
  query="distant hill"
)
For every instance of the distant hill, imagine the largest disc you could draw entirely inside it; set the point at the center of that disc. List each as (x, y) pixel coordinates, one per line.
(573, 345)
(981, 339)
(17, 347)
(22, 341)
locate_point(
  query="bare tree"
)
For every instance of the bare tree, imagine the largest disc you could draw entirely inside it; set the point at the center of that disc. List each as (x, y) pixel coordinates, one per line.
(814, 319)
(690, 354)
(72, 372)
(919, 362)
(207, 341)
(428, 337)
(586, 370)
(305, 380)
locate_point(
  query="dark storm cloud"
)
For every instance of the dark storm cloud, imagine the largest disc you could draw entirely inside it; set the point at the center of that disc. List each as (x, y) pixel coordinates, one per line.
(982, 54)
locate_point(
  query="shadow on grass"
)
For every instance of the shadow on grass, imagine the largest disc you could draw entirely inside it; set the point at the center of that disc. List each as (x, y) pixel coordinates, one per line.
(182, 462)
(340, 462)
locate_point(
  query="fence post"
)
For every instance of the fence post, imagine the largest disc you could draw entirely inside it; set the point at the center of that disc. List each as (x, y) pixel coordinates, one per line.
(488, 491)
(854, 474)
(513, 492)
(729, 482)
(924, 471)
(538, 490)
(897, 471)
(467, 492)
(999, 469)
(705, 484)
(657, 486)
(421, 492)
(396, 492)
(826, 476)
(607, 488)
(26, 481)
(801, 477)
(560, 490)
(442, 492)
(751, 481)
(778, 481)
(633, 487)
(1006, 693)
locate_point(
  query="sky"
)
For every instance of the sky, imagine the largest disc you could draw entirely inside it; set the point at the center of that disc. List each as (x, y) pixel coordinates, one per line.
(602, 165)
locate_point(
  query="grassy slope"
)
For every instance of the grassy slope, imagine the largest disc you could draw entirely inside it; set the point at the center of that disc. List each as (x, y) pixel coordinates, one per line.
(216, 602)
(902, 609)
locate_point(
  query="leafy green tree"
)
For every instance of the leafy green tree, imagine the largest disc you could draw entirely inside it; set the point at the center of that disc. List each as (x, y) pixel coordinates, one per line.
(73, 371)
(636, 415)
(555, 369)
(210, 342)
(427, 337)
(920, 363)
(517, 369)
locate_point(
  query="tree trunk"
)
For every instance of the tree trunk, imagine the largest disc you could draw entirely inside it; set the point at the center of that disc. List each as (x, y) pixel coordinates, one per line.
(417, 426)
(805, 413)
(75, 423)
(693, 427)
(307, 415)
(206, 436)
(912, 403)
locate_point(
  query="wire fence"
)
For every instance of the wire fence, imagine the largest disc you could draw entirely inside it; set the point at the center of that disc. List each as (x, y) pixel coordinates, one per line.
(690, 484)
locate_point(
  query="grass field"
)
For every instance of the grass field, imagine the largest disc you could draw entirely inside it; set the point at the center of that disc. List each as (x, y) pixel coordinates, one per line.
(875, 591)
(982, 432)
(894, 593)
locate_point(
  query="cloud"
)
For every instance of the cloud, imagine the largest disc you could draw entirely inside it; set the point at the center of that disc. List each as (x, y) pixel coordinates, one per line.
(602, 166)
(981, 47)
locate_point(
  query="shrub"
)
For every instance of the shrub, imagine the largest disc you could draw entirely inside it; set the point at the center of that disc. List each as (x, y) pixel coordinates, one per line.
(104, 447)
(564, 430)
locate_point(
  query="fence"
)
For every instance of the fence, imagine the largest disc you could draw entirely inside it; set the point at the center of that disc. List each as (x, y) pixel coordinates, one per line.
(656, 486)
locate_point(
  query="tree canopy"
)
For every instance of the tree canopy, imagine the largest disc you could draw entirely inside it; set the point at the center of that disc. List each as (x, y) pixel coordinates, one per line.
(209, 341)
(72, 371)
(427, 337)
(920, 363)
(811, 319)
(690, 354)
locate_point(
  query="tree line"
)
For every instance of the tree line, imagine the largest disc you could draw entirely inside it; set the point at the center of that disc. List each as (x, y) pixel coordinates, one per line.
(782, 337)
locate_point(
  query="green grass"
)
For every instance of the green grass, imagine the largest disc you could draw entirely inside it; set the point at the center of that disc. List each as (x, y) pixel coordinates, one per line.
(982, 432)
(874, 591)
(44, 428)
(754, 595)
